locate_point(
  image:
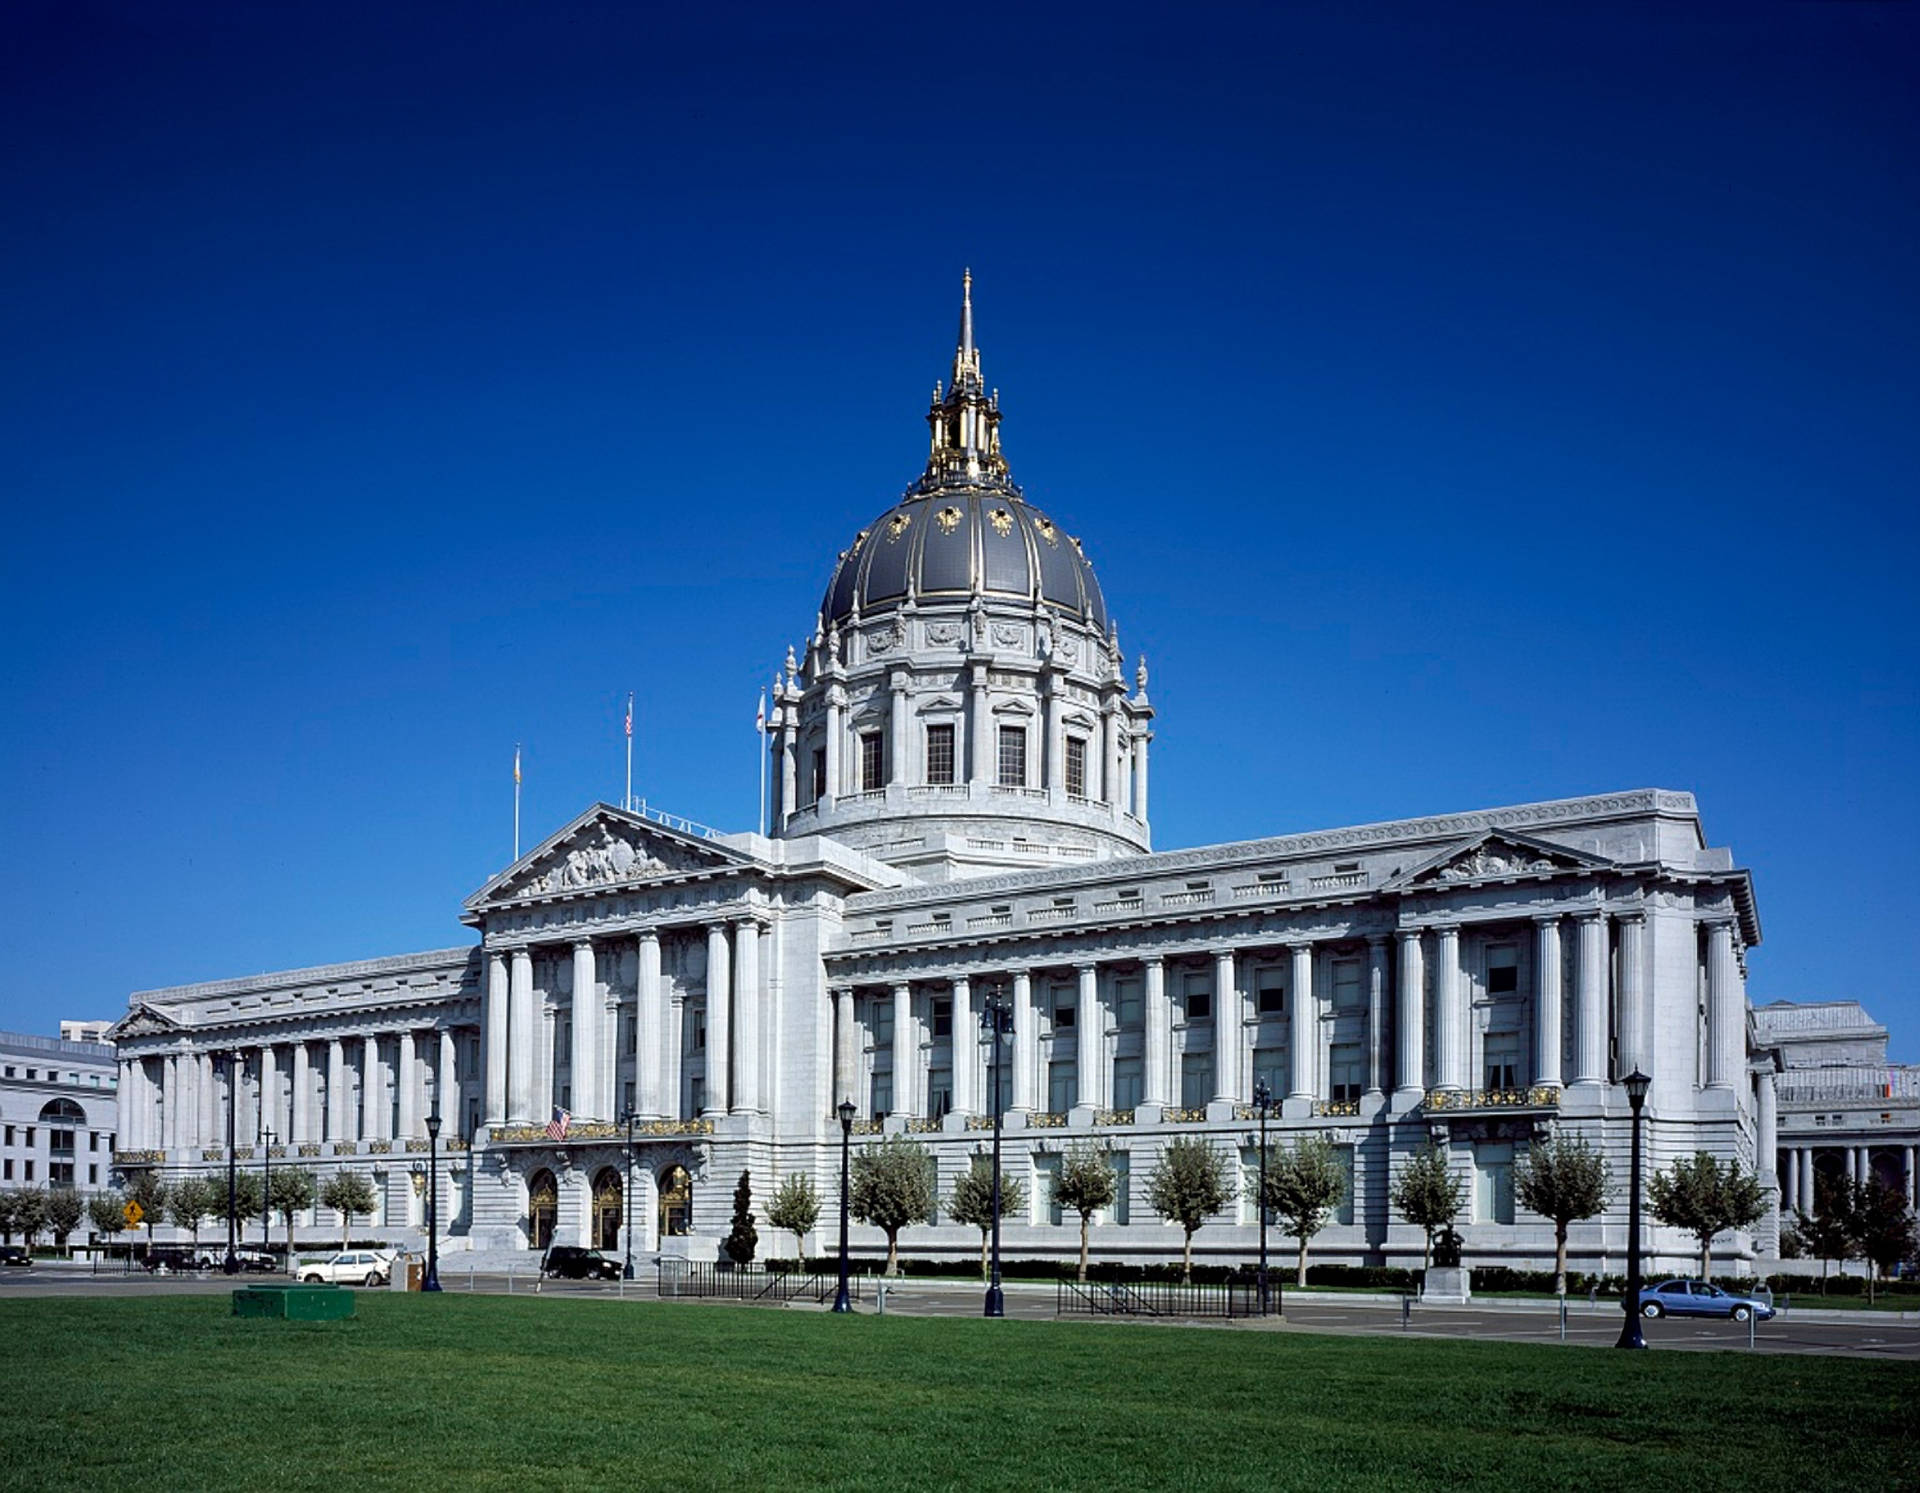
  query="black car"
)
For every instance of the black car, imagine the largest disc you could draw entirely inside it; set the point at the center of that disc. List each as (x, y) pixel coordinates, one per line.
(571, 1262)
(15, 1254)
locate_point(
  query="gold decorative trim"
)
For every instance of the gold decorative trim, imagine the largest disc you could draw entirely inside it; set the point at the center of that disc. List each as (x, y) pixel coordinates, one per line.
(243, 1153)
(417, 1145)
(1041, 1119)
(1184, 1116)
(346, 1148)
(138, 1158)
(897, 525)
(380, 1147)
(979, 1122)
(1113, 1117)
(309, 1148)
(920, 1126)
(1002, 522)
(1336, 1107)
(868, 1127)
(1539, 1096)
(213, 1153)
(1048, 532)
(948, 519)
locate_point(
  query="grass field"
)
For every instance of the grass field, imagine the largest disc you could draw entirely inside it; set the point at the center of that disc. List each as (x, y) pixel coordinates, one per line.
(479, 1392)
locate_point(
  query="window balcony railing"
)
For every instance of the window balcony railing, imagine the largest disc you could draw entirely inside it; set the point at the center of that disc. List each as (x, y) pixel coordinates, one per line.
(990, 920)
(1113, 1117)
(1125, 906)
(1194, 898)
(1196, 1115)
(1050, 914)
(929, 930)
(1539, 1096)
(1248, 889)
(1041, 1119)
(870, 935)
(1336, 1107)
(1338, 881)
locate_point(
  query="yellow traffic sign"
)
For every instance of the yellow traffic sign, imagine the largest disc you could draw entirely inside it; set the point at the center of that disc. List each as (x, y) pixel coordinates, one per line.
(133, 1213)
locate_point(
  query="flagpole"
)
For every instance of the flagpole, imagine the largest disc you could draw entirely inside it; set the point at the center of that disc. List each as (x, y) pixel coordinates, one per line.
(628, 801)
(760, 730)
(516, 802)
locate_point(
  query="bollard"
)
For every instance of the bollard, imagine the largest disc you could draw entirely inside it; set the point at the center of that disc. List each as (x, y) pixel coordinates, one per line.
(881, 1296)
(1406, 1311)
(1563, 1319)
(1753, 1319)
(469, 1278)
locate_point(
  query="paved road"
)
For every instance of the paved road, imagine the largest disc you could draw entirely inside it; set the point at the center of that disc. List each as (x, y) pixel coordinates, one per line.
(1860, 1334)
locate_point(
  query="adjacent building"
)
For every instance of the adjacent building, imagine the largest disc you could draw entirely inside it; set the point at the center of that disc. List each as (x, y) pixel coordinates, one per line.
(58, 1113)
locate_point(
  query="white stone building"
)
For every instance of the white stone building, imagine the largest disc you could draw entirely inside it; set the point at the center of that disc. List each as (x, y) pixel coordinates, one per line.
(57, 1112)
(958, 809)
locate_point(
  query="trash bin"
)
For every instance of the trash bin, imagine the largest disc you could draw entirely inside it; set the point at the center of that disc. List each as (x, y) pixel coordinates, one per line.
(407, 1272)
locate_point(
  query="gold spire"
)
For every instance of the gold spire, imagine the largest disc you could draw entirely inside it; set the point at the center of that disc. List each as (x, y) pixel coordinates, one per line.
(964, 424)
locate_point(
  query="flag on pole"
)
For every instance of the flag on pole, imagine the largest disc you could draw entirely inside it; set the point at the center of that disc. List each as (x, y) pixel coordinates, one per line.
(629, 715)
(516, 767)
(760, 715)
(558, 1126)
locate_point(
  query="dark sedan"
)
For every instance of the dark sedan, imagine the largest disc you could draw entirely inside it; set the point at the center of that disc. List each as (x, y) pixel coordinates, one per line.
(1699, 1298)
(571, 1262)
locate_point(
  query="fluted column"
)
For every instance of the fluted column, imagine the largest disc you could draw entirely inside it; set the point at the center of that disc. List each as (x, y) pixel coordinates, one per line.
(966, 1049)
(896, 732)
(651, 1018)
(836, 711)
(1767, 1144)
(270, 1093)
(673, 1045)
(523, 1041)
(1449, 1013)
(1025, 1041)
(1547, 997)
(980, 749)
(747, 1015)
(1227, 1029)
(493, 1098)
(300, 1122)
(719, 1020)
(1726, 1008)
(903, 1050)
(585, 1059)
(1635, 1050)
(1806, 1180)
(1140, 775)
(173, 1102)
(210, 1124)
(1090, 1029)
(406, 1078)
(1056, 750)
(1376, 1013)
(846, 1052)
(446, 1087)
(373, 1117)
(1159, 1034)
(1303, 1038)
(1590, 1000)
(1410, 1024)
(338, 1117)
(1110, 757)
(126, 1100)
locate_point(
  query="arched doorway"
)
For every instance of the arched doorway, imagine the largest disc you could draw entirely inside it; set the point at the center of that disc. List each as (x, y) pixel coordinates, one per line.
(608, 1209)
(676, 1202)
(543, 1204)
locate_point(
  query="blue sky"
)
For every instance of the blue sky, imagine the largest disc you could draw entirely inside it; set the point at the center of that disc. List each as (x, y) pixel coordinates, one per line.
(1461, 406)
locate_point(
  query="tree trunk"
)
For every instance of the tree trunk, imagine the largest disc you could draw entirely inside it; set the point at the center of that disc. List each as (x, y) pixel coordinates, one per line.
(288, 1215)
(1560, 1258)
(893, 1251)
(346, 1230)
(1426, 1256)
(1300, 1264)
(1186, 1261)
(1706, 1257)
(1085, 1220)
(983, 1254)
(799, 1249)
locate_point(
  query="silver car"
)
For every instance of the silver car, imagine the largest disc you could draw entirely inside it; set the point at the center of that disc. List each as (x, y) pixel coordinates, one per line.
(1699, 1298)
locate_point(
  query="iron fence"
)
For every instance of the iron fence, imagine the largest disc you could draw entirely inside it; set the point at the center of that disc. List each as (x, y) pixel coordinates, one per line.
(704, 1280)
(1163, 1298)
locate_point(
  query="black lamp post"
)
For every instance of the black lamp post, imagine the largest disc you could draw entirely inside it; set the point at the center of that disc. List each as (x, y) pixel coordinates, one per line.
(431, 1280)
(1262, 1103)
(843, 1302)
(266, 1191)
(233, 1062)
(1636, 1083)
(628, 1118)
(996, 1019)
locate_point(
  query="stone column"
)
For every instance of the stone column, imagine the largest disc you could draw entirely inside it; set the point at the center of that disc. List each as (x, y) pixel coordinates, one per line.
(173, 1098)
(523, 1040)
(747, 1014)
(1547, 998)
(836, 713)
(1913, 1175)
(966, 1048)
(1590, 1000)
(1449, 1011)
(1110, 757)
(210, 1123)
(651, 1018)
(980, 752)
(846, 1052)
(1767, 1144)
(270, 1094)
(1806, 1179)
(1140, 741)
(1226, 1028)
(1090, 1036)
(406, 1079)
(1376, 1013)
(337, 1116)
(1726, 1008)
(373, 1096)
(585, 1059)
(300, 1122)
(1410, 1023)
(1056, 750)
(789, 778)
(1635, 1050)
(897, 727)
(126, 1101)
(493, 1098)
(903, 1049)
(1158, 1037)
(673, 1042)
(1025, 1041)
(446, 1087)
(1303, 1036)
(719, 1021)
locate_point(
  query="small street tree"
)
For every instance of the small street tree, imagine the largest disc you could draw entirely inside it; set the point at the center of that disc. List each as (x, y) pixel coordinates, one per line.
(1705, 1198)
(1827, 1233)
(30, 1213)
(1305, 1183)
(893, 1186)
(9, 1214)
(1883, 1231)
(1564, 1179)
(1187, 1184)
(1085, 1184)
(743, 1239)
(292, 1190)
(65, 1209)
(191, 1202)
(1428, 1194)
(145, 1188)
(107, 1213)
(347, 1193)
(796, 1209)
(972, 1202)
(246, 1200)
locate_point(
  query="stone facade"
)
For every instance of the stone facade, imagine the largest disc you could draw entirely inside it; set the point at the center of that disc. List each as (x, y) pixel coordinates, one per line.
(59, 1107)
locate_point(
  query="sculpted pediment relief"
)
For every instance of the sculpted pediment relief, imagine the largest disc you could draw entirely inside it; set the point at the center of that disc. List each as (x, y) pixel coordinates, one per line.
(143, 1021)
(1497, 854)
(606, 849)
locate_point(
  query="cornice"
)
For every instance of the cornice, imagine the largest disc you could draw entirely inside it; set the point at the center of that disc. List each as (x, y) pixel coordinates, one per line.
(319, 974)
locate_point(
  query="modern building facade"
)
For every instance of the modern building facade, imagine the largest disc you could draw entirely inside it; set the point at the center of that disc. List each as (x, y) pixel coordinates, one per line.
(958, 810)
(58, 1112)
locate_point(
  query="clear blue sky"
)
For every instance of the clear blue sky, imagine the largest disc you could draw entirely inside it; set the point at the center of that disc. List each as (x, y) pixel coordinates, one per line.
(1462, 405)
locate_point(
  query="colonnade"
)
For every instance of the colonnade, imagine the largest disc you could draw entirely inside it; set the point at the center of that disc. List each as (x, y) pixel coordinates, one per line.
(1797, 1172)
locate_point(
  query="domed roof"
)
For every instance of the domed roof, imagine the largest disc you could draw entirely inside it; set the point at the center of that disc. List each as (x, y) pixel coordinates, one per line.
(964, 527)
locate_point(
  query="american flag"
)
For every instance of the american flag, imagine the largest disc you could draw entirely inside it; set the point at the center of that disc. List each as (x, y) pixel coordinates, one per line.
(629, 714)
(557, 1127)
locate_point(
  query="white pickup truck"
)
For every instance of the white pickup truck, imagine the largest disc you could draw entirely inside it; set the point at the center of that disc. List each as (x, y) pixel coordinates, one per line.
(350, 1267)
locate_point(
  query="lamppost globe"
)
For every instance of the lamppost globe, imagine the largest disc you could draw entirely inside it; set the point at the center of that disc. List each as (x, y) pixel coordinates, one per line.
(626, 1270)
(1262, 1103)
(1636, 1084)
(431, 1280)
(843, 1300)
(232, 1064)
(996, 1023)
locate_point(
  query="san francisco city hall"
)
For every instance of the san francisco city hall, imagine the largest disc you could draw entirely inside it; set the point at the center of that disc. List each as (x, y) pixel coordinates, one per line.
(958, 807)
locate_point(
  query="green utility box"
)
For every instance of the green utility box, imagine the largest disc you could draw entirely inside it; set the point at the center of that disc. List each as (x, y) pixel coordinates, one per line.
(296, 1303)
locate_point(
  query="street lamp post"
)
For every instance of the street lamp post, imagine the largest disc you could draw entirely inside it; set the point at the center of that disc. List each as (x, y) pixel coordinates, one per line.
(431, 1280)
(234, 1060)
(996, 1019)
(266, 1191)
(1636, 1084)
(843, 1302)
(1262, 1103)
(626, 1272)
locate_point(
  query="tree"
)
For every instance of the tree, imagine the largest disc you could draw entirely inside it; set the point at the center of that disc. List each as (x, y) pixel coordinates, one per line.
(972, 1201)
(347, 1193)
(743, 1239)
(1428, 1194)
(9, 1215)
(292, 1190)
(893, 1186)
(1305, 1183)
(1883, 1230)
(796, 1209)
(107, 1212)
(191, 1202)
(1188, 1183)
(64, 1212)
(1705, 1199)
(1827, 1234)
(29, 1213)
(1084, 1184)
(1564, 1180)
(145, 1188)
(246, 1200)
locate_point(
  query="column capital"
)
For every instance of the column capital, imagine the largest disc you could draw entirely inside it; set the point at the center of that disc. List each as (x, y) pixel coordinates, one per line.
(1153, 961)
(1635, 916)
(649, 935)
(1547, 919)
(1376, 941)
(1298, 946)
(901, 987)
(577, 944)
(1591, 915)
(1408, 935)
(1085, 966)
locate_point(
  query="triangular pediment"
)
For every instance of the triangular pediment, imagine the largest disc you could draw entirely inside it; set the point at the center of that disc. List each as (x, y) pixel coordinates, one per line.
(143, 1021)
(1498, 855)
(604, 849)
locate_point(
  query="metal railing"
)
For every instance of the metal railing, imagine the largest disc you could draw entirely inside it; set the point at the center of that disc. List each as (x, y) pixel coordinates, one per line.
(696, 1280)
(1163, 1298)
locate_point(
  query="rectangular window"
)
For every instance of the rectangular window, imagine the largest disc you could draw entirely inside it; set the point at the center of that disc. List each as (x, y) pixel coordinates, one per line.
(873, 768)
(93, 1175)
(1196, 1079)
(1503, 969)
(1344, 1213)
(882, 1092)
(1493, 1182)
(1269, 992)
(943, 1017)
(1346, 1071)
(1046, 1171)
(626, 1098)
(1503, 1060)
(29, 1171)
(1346, 985)
(1076, 767)
(1063, 1018)
(819, 773)
(1270, 1064)
(9, 1169)
(939, 1092)
(9, 1135)
(1013, 757)
(939, 754)
(1063, 1089)
(60, 1140)
(696, 1094)
(1122, 1165)
(1129, 1004)
(1127, 1082)
(699, 1034)
(1199, 1005)
(60, 1173)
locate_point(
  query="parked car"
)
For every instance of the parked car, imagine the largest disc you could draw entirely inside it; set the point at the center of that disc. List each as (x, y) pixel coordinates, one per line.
(15, 1254)
(1699, 1298)
(171, 1259)
(350, 1267)
(571, 1262)
(252, 1260)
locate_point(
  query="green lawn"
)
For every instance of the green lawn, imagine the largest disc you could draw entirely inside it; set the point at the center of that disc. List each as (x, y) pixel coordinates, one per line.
(534, 1396)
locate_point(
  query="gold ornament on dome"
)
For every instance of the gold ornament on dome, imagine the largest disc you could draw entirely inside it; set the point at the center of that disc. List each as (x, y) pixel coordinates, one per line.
(1048, 532)
(1002, 522)
(897, 525)
(948, 519)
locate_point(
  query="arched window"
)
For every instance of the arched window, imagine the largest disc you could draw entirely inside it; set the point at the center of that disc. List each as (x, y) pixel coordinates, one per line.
(676, 1202)
(608, 1217)
(543, 1204)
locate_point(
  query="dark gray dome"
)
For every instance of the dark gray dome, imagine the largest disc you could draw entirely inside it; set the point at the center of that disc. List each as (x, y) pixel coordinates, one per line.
(952, 540)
